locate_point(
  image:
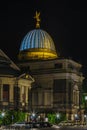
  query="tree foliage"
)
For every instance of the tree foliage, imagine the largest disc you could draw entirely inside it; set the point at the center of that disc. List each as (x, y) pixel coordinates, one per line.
(12, 116)
(54, 119)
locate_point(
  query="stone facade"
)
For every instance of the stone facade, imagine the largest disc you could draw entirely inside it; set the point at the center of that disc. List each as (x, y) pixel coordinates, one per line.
(57, 86)
(14, 86)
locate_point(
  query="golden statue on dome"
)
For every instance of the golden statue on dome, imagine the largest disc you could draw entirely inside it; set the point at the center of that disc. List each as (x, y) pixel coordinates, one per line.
(37, 17)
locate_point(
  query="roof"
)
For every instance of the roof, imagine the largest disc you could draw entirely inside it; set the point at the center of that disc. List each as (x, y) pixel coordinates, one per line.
(7, 66)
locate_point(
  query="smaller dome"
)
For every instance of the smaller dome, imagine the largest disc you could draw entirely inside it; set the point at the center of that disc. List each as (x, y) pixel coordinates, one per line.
(37, 44)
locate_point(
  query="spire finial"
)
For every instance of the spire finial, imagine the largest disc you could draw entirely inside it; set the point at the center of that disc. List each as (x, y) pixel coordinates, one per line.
(37, 17)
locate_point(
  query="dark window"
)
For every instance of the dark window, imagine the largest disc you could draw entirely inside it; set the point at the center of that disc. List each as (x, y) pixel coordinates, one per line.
(58, 65)
(70, 66)
(16, 96)
(59, 91)
(35, 97)
(16, 93)
(59, 86)
(5, 92)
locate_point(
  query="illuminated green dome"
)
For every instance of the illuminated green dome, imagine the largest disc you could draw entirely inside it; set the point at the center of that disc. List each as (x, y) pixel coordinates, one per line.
(37, 44)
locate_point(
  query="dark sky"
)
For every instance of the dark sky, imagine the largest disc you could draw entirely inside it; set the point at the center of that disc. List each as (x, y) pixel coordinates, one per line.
(66, 22)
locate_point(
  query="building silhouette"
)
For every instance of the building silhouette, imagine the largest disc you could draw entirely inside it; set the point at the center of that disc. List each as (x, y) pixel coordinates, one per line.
(41, 81)
(58, 81)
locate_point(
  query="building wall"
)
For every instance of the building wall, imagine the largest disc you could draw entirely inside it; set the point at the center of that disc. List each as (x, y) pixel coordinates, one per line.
(14, 93)
(58, 85)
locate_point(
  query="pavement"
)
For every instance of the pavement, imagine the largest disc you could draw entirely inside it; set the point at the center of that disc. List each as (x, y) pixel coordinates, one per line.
(84, 127)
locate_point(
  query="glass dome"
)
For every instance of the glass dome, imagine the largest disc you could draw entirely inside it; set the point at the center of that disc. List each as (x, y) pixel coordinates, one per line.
(37, 44)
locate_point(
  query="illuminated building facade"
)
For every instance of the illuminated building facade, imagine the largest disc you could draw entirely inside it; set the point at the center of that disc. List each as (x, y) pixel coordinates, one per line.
(14, 86)
(58, 82)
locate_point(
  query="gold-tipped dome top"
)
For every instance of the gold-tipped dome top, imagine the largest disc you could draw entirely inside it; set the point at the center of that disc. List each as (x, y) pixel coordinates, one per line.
(37, 44)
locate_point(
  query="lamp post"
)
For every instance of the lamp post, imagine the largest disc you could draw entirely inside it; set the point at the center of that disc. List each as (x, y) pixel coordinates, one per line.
(33, 116)
(58, 117)
(85, 116)
(85, 110)
(3, 114)
(85, 101)
(12, 117)
(76, 118)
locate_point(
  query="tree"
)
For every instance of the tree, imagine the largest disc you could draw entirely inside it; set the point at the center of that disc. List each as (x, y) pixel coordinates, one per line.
(12, 116)
(54, 119)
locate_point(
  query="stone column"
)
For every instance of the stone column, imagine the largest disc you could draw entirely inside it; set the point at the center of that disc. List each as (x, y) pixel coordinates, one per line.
(26, 93)
(82, 116)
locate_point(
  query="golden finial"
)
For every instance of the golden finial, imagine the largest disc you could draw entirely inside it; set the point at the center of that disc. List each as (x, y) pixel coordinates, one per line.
(37, 17)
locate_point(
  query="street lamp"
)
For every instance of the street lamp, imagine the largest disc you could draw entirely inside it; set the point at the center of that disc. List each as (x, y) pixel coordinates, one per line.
(85, 102)
(3, 114)
(85, 116)
(58, 116)
(33, 116)
(76, 118)
(86, 98)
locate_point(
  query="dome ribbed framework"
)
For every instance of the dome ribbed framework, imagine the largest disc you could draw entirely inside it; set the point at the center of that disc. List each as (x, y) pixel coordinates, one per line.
(37, 44)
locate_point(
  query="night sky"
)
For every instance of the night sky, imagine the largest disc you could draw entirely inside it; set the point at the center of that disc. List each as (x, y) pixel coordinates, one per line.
(65, 22)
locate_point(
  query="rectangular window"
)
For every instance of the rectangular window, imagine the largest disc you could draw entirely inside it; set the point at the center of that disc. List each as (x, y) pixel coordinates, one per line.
(59, 65)
(41, 98)
(5, 92)
(35, 98)
(16, 96)
(59, 85)
(59, 91)
(16, 93)
(47, 98)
